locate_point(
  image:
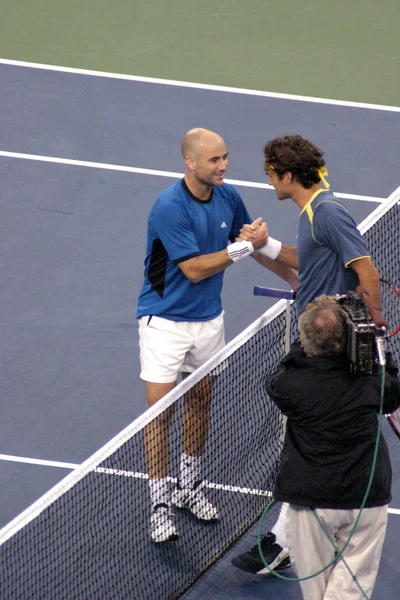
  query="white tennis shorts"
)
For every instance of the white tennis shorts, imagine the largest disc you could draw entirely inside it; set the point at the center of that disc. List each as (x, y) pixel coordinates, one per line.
(168, 348)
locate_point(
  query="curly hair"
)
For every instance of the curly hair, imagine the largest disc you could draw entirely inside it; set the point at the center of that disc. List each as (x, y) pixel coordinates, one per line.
(322, 328)
(294, 154)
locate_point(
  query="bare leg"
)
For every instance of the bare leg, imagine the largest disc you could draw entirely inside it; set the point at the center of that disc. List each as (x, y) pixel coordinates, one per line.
(189, 493)
(196, 417)
(156, 445)
(156, 435)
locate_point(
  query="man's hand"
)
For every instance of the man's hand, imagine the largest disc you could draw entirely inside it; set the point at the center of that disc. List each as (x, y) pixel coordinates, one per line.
(256, 233)
(373, 309)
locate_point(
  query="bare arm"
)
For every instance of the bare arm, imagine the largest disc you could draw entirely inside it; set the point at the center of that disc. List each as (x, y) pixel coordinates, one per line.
(368, 276)
(280, 269)
(200, 267)
(288, 256)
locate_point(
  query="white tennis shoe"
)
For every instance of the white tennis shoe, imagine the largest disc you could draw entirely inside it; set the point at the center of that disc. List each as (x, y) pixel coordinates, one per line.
(195, 501)
(162, 528)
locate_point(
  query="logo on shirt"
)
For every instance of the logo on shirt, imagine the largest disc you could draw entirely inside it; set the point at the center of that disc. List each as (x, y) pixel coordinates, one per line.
(223, 224)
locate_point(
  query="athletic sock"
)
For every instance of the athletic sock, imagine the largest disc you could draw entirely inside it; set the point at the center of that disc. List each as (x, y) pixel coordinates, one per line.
(189, 471)
(279, 529)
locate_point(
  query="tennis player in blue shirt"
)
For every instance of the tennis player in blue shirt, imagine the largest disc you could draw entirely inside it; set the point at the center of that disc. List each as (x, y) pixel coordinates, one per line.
(191, 235)
(331, 258)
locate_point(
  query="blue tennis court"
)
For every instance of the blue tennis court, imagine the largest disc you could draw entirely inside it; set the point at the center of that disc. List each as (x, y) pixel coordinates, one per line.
(83, 157)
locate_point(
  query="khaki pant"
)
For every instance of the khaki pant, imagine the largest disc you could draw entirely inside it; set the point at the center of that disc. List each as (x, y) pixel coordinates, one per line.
(310, 550)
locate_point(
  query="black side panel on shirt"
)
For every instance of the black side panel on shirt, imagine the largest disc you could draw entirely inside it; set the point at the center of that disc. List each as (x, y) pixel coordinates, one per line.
(158, 267)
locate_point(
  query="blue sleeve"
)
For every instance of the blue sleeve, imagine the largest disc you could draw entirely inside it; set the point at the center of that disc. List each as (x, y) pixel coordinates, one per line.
(333, 226)
(174, 229)
(241, 216)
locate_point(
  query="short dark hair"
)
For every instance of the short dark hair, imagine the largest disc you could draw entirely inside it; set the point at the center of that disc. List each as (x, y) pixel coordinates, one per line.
(322, 328)
(294, 154)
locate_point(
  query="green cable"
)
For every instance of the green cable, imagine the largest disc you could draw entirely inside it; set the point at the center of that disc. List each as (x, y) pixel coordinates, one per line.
(339, 553)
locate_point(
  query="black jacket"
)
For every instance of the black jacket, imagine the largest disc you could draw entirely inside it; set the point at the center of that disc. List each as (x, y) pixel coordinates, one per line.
(331, 431)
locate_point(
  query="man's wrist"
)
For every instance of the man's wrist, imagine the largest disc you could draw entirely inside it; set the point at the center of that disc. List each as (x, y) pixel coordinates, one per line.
(239, 250)
(271, 249)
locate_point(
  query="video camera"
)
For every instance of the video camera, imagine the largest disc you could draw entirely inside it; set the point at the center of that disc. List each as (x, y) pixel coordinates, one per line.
(365, 340)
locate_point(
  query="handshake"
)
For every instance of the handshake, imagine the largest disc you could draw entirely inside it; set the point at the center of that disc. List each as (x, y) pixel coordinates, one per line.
(257, 234)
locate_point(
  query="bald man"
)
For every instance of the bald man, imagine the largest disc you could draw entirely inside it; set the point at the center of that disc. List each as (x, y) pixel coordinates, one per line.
(191, 235)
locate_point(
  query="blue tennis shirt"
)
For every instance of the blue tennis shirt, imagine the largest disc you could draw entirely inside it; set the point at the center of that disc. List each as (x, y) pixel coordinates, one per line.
(328, 242)
(181, 227)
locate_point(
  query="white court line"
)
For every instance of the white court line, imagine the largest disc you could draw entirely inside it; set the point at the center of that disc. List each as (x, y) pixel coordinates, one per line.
(38, 461)
(157, 173)
(137, 475)
(199, 86)
(123, 473)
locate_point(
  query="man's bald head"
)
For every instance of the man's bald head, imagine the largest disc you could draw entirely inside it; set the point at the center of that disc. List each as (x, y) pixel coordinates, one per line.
(206, 159)
(197, 138)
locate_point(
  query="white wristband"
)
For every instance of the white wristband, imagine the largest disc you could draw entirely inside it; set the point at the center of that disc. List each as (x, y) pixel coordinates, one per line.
(239, 250)
(271, 249)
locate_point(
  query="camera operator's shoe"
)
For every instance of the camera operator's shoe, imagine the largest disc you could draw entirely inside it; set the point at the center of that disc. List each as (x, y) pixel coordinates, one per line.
(276, 557)
(162, 528)
(195, 501)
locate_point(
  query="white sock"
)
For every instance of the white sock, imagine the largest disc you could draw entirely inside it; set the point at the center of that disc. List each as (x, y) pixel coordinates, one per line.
(189, 471)
(159, 492)
(279, 529)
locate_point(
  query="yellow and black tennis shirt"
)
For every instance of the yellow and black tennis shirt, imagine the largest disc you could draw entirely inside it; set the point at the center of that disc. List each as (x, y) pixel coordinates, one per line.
(328, 242)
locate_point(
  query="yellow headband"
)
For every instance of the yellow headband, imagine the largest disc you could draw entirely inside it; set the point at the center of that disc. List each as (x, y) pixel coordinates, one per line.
(322, 173)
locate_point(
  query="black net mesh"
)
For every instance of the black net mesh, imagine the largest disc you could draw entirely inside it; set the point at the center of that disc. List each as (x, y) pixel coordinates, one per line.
(384, 242)
(93, 542)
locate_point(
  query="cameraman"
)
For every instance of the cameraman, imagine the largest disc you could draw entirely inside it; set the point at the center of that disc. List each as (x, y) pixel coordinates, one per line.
(328, 455)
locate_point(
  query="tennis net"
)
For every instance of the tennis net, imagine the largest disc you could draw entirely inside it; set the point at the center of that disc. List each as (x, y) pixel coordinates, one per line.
(88, 536)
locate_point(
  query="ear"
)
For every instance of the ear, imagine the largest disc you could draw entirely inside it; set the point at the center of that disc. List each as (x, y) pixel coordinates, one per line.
(190, 162)
(288, 177)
